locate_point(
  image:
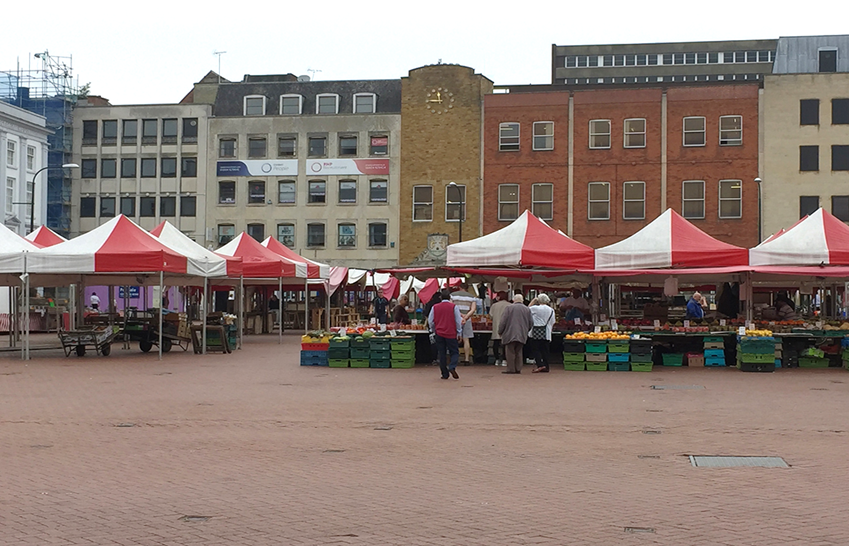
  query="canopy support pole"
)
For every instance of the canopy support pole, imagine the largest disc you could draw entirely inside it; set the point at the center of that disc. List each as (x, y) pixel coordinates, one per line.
(749, 294)
(241, 309)
(26, 311)
(279, 311)
(596, 300)
(327, 306)
(203, 314)
(306, 305)
(161, 310)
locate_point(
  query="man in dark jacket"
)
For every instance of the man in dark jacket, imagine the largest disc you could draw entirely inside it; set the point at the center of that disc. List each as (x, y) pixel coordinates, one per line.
(516, 322)
(444, 320)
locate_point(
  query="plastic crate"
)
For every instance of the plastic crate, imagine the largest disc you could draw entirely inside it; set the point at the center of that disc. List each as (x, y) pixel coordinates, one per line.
(641, 350)
(715, 362)
(641, 345)
(758, 358)
(595, 346)
(756, 366)
(403, 364)
(618, 357)
(315, 346)
(380, 344)
(712, 339)
(379, 364)
(641, 366)
(714, 346)
(310, 358)
(574, 366)
(359, 353)
(379, 355)
(642, 359)
(673, 359)
(339, 342)
(573, 357)
(359, 363)
(596, 357)
(338, 363)
(360, 343)
(812, 362)
(401, 342)
(618, 347)
(596, 366)
(338, 353)
(573, 346)
(403, 350)
(695, 360)
(777, 362)
(714, 353)
(619, 367)
(764, 345)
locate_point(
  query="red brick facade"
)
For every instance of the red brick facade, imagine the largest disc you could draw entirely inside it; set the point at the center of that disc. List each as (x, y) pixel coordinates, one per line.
(618, 164)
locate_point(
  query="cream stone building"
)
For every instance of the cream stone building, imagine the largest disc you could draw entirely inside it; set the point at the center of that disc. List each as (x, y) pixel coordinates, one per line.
(805, 163)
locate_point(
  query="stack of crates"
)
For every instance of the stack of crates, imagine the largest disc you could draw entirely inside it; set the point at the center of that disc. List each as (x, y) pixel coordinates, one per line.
(596, 355)
(380, 352)
(359, 353)
(339, 353)
(314, 354)
(844, 346)
(813, 358)
(673, 359)
(573, 355)
(403, 349)
(619, 355)
(714, 351)
(756, 354)
(779, 353)
(641, 355)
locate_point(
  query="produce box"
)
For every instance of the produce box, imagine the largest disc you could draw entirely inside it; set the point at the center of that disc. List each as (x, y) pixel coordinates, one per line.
(673, 359)
(714, 353)
(712, 339)
(618, 347)
(812, 362)
(360, 342)
(641, 366)
(380, 343)
(641, 346)
(403, 364)
(574, 366)
(714, 346)
(359, 363)
(695, 359)
(715, 362)
(573, 357)
(314, 346)
(757, 346)
(618, 357)
(340, 342)
(758, 358)
(619, 367)
(402, 342)
(572, 346)
(380, 355)
(379, 364)
(595, 346)
(338, 363)
(359, 353)
(596, 357)
(596, 366)
(314, 358)
(641, 358)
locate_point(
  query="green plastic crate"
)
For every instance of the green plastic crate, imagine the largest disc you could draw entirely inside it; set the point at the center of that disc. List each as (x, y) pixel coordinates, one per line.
(337, 363)
(403, 352)
(380, 343)
(595, 346)
(359, 363)
(641, 366)
(756, 358)
(405, 364)
(757, 346)
(618, 347)
(712, 339)
(812, 362)
(337, 342)
(574, 366)
(401, 342)
(379, 364)
(673, 359)
(573, 357)
(596, 366)
(619, 367)
(379, 355)
(338, 353)
(641, 358)
(360, 344)
(359, 353)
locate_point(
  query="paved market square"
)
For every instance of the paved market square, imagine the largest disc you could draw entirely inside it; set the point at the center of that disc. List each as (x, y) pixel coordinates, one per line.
(253, 449)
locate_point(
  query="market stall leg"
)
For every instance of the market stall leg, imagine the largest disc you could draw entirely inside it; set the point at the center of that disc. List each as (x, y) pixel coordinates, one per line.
(161, 283)
(279, 315)
(203, 315)
(306, 305)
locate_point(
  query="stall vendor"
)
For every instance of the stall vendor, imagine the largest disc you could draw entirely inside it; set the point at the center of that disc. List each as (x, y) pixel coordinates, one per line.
(694, 307)
(783, 311)
(574, 306)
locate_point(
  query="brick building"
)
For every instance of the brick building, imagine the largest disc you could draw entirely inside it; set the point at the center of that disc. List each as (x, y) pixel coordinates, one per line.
(599, 163)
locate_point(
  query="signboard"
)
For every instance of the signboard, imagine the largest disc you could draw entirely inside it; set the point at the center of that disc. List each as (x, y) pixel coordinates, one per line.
(331, 167)
(134, 292)
(258, 167)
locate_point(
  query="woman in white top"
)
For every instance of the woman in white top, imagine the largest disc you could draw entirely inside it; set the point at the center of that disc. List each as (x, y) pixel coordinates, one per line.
(540, 335)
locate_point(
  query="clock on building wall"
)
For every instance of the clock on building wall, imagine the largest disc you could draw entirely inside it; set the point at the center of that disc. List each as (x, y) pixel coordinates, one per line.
(439, 100)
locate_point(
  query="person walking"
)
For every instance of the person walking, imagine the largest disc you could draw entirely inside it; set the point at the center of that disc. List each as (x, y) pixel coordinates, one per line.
(94, 301)
(540, 334)
(496, 312)
(445, 322)
(466, 302)
(516, 322)
(436, 298)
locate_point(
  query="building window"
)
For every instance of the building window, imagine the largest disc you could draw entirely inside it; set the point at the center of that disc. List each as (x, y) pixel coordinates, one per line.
(693, 199)
(365, 103)
(634, 200)
(128, 206)
(149, 127)
(379, 145)
(286, 234)
(189, 167)
(809, 112)
(542, 201)
(128, 168)
(31, 158)
(808, 204)
(88, 168)
(730, 199)
(169, 167)
(11, 153)
(828, 60)
(347, 191)
(317, 191)
(600, 133)
(347, 235)
(327, 103)
(169, 131)
(29, 198)
(287, 146)
(809, 158)
(110, 132)
(635, 133)
(286, 192)
(188, 206)
(598, 197)
(226, 193)
(148, 167)
(543, 135)
(839, 111)
(508, 202)
(422, 203)
(254, 105)
(257, 231)
(226, 232)
(88, 205)
(315, 234)
(90, 132)
(147, 207)
(227, 147)
(256, 192)
(129, 131)
(840, 207)
(168, 206)
(455, 198)
(291, 105)
(317, 146)
(190, 130)
(347, 145)
(839, 157)
(378, 191)
(256, 147)
(508, 137)
(694, 131)
(731, 130)
(377, 234)
(108, 168)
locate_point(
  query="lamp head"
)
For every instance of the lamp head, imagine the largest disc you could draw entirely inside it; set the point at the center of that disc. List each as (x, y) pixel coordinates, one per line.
(70, 166)
(758, 180)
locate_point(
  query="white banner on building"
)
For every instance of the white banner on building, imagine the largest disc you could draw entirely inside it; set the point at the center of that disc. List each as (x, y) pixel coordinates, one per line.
(258, 167)
(331, 167)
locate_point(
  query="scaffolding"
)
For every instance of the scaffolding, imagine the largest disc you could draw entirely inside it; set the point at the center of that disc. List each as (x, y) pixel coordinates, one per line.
(50, 91)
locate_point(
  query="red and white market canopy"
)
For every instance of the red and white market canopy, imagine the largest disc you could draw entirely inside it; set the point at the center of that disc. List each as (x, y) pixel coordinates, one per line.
(260, 263)
(12, 248)
(819, 239)
(201, 262)
(315, 270)
(528, 241)
(669, 241)
(43, 237)
(118, 246)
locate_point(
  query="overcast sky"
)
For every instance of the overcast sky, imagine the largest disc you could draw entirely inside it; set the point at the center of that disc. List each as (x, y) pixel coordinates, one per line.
(154, 51)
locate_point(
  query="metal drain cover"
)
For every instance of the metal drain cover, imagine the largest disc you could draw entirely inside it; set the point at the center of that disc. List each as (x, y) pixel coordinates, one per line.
(639, 529)
(195, 518)
(675, 387)
(730, 462)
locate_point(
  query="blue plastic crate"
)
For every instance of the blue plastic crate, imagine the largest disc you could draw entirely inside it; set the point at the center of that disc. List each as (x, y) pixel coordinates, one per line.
(314, 361)
(714, 353)
(844, 342)
(777, 362)
(310, 354)
(618, 357)
(715, 361)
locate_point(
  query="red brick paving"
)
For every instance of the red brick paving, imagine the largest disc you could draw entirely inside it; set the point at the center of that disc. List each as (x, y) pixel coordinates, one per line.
(280, 454)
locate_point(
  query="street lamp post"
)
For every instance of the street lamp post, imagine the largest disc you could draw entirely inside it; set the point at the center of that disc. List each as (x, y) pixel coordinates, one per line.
(32, 200)
(760, 208)
(460, 201)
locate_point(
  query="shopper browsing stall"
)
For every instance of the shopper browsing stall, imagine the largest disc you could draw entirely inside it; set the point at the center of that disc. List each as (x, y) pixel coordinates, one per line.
(540, 334)
(467, 303)
(496, 311)
(516, 322)
(694, 307)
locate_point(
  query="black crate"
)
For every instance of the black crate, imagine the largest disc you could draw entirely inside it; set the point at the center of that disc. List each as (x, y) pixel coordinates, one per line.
(757, 366)
(573, 346)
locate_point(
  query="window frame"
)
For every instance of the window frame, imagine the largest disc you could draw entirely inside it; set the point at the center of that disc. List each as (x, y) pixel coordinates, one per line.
(535, 200)
(167, 204)
(126, 138)
(146, 124)
(247, 98)
(721, 199)
(840, 116)
(839, 163)
(185, 170)
(286, 224)
(146, 200)
(801, 197)
(626, 200)
(294, 192)
(88, 204)
(147, 161)
(165, 170)
(229, 183)
(373, 103)
(129, 161)
(112, 125)
(109, 173)
(727, 141)
(252, 197)
(423, 203)
(320, 96)
(86, 170)
(310, 200)
(184, 200)
(323, 243)
(11, 153)
(626, 134)
(128, 211)
(106, 201)
(292, 96)
(342, 201)
(502, 202)
(371, 188)
(219, 227)
(590, 201)
(511, 143)
(813, 115)
(535, 136)
(371, 146)
(252, 153)
(461, 204)
(30, 158)
(822, 50)
(187, 136)
(222, 140)
(347, 153)
(88, 138)
(839, 215)
(351, 237)
(685, 200)
(805, 160)
(371, 239)
(251, 226)
(310, 140)
(592, 134)
(685, 131)
(288, 138)
(166, 137)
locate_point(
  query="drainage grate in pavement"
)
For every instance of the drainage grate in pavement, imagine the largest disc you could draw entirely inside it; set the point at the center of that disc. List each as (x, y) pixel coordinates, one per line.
(654, 410)
(648, 456)
(676, 387)
(195, 518)
(125, 425)
(652, 431)
(382, 428)
(818, 389)
(639, 529)
(730, 462)
(41, 446)
(333, 451)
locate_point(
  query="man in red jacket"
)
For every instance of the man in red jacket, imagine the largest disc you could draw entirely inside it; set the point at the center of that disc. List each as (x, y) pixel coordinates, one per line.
(445, 322)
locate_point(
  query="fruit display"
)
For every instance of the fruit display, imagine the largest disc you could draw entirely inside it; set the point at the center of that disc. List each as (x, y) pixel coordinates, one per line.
(758, 333)
(599, 336)
(317, 336)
